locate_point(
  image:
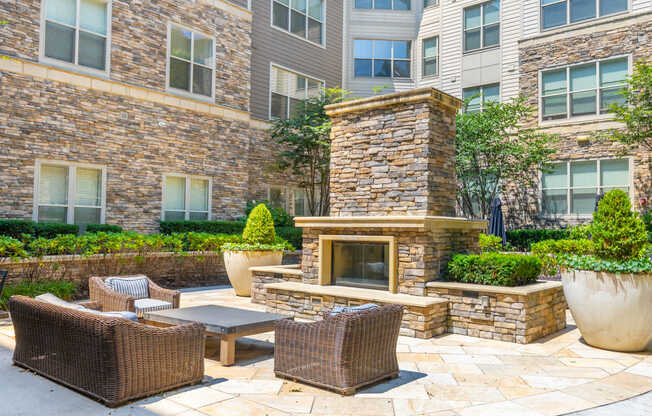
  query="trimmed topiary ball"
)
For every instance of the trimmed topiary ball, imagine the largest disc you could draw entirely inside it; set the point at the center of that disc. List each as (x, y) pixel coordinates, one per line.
(260, 227)
(618, 233)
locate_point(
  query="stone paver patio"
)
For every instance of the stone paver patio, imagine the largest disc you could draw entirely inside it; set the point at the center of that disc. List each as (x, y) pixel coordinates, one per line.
(447, 375)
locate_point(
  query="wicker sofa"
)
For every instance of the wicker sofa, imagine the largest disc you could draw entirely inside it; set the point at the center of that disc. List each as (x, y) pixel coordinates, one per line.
(113, 301)
(110, 359)
(341, 353)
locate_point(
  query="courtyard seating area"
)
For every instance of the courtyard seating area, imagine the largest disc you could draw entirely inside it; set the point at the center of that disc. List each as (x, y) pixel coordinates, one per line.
(446, 375)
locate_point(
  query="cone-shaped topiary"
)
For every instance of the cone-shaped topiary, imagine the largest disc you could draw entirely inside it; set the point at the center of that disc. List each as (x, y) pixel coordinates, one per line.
(260, 227)
(618, 233)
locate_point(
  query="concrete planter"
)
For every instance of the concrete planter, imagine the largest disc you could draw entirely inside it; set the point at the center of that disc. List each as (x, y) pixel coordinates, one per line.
(612, 311)
(237, 264)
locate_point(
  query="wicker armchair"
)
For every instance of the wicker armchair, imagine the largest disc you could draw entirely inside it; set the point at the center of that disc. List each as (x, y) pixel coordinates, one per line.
(110, 359)
(113, 301)
(341, 353)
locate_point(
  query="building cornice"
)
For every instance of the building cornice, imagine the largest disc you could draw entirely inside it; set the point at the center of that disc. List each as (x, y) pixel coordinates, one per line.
(41, 71)
(229, 7)
(586, 28)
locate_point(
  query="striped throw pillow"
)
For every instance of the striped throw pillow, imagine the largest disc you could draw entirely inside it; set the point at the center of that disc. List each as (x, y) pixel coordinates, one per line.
(137, 287)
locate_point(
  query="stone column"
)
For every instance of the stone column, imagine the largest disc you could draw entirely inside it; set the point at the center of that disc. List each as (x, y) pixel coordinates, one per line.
(394, 155)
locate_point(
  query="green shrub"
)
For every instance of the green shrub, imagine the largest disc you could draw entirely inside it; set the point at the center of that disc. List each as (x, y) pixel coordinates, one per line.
(292, 234)
(549, 251)
(206, 242)
(280, 217)
(53, 229)
(60, 288)
(495, 269)
(12, 248)
(260, 227)
(618, 233)
(592, 263)
(211, 227)
(489, 243)
(647, 219)
(580, 232)
(103, 228)
(522, 239)
(16, 228)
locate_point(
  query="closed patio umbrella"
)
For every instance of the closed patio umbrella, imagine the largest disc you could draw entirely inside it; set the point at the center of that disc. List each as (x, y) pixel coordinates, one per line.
(598, 198)
(496, 223)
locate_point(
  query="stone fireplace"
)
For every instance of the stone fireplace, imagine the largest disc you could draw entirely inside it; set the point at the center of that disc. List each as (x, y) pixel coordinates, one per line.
(392, 231)
(393, 187)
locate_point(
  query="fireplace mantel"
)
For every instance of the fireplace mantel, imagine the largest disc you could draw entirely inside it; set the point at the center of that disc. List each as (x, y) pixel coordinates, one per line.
(417, 223)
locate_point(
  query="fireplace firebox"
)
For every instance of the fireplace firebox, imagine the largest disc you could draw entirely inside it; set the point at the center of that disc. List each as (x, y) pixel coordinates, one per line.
(361, 264)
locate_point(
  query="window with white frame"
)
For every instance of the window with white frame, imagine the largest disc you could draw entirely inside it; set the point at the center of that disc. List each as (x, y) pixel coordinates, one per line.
(571, 188)
(293, 200)
(382, 58)
(479, 97)
(562, 12)
(186, 198)
(191, 61)
(288, 90)
(77, 32)
(303, 18)
(383, 4)
(431, 57)
(482, 26)
(583, 90)
(69, 193)
(428, 3)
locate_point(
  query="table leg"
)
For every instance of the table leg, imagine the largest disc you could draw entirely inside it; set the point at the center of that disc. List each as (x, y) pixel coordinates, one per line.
(227, 349)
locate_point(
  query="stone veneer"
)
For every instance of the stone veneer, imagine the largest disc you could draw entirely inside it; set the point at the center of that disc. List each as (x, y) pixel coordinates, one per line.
(514, 314)
(627, 34)
(128, 123)
(394, 155)
(280, 290)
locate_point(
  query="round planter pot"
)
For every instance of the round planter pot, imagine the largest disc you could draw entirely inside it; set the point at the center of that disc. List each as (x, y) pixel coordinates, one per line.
(237, 264)
(612, 311)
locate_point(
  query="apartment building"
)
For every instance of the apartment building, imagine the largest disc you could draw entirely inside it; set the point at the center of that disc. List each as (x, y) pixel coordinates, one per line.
(128, 112)
(570, 57)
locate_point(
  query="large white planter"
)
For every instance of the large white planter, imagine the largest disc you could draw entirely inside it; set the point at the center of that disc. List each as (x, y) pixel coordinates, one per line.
(612, 311)
(237, 264)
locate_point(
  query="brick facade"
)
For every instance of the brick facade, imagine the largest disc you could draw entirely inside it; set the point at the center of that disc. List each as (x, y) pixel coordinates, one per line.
(129, 124)
(628, 36)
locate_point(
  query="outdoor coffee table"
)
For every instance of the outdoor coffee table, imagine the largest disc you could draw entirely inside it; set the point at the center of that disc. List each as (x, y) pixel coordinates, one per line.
(225, 323)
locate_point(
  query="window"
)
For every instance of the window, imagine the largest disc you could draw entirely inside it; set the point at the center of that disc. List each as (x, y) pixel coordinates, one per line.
(572, 187)
(186, 198)
(428, 3)
(561, 12)
(191, 61)
(383, 4)
(77, 32)
(382, 58)
(482, 26)
(293, 200)
(288, 90)
(581, 90)
(303, 18)
(69, 193)
(430, 57)
(480, 96)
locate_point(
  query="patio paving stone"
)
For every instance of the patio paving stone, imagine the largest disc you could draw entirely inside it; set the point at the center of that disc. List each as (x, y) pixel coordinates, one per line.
(450, 375)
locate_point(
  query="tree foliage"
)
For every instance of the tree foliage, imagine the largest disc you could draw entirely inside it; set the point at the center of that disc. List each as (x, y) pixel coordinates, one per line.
(636, 111)
(495, 147)
(305, 140)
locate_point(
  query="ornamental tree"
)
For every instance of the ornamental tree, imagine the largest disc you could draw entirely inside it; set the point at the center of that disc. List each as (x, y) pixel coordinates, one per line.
(494, 147)
(305, 138)
(636, 112)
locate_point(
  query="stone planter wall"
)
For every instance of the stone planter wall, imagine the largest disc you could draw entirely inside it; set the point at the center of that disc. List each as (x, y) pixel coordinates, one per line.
(514, 314)
(265, 275)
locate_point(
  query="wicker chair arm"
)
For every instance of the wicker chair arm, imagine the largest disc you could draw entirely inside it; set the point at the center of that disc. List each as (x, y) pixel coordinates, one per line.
(163, 356)
(157, 292)
(108, 298)
(91, 305)
(301, 344)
